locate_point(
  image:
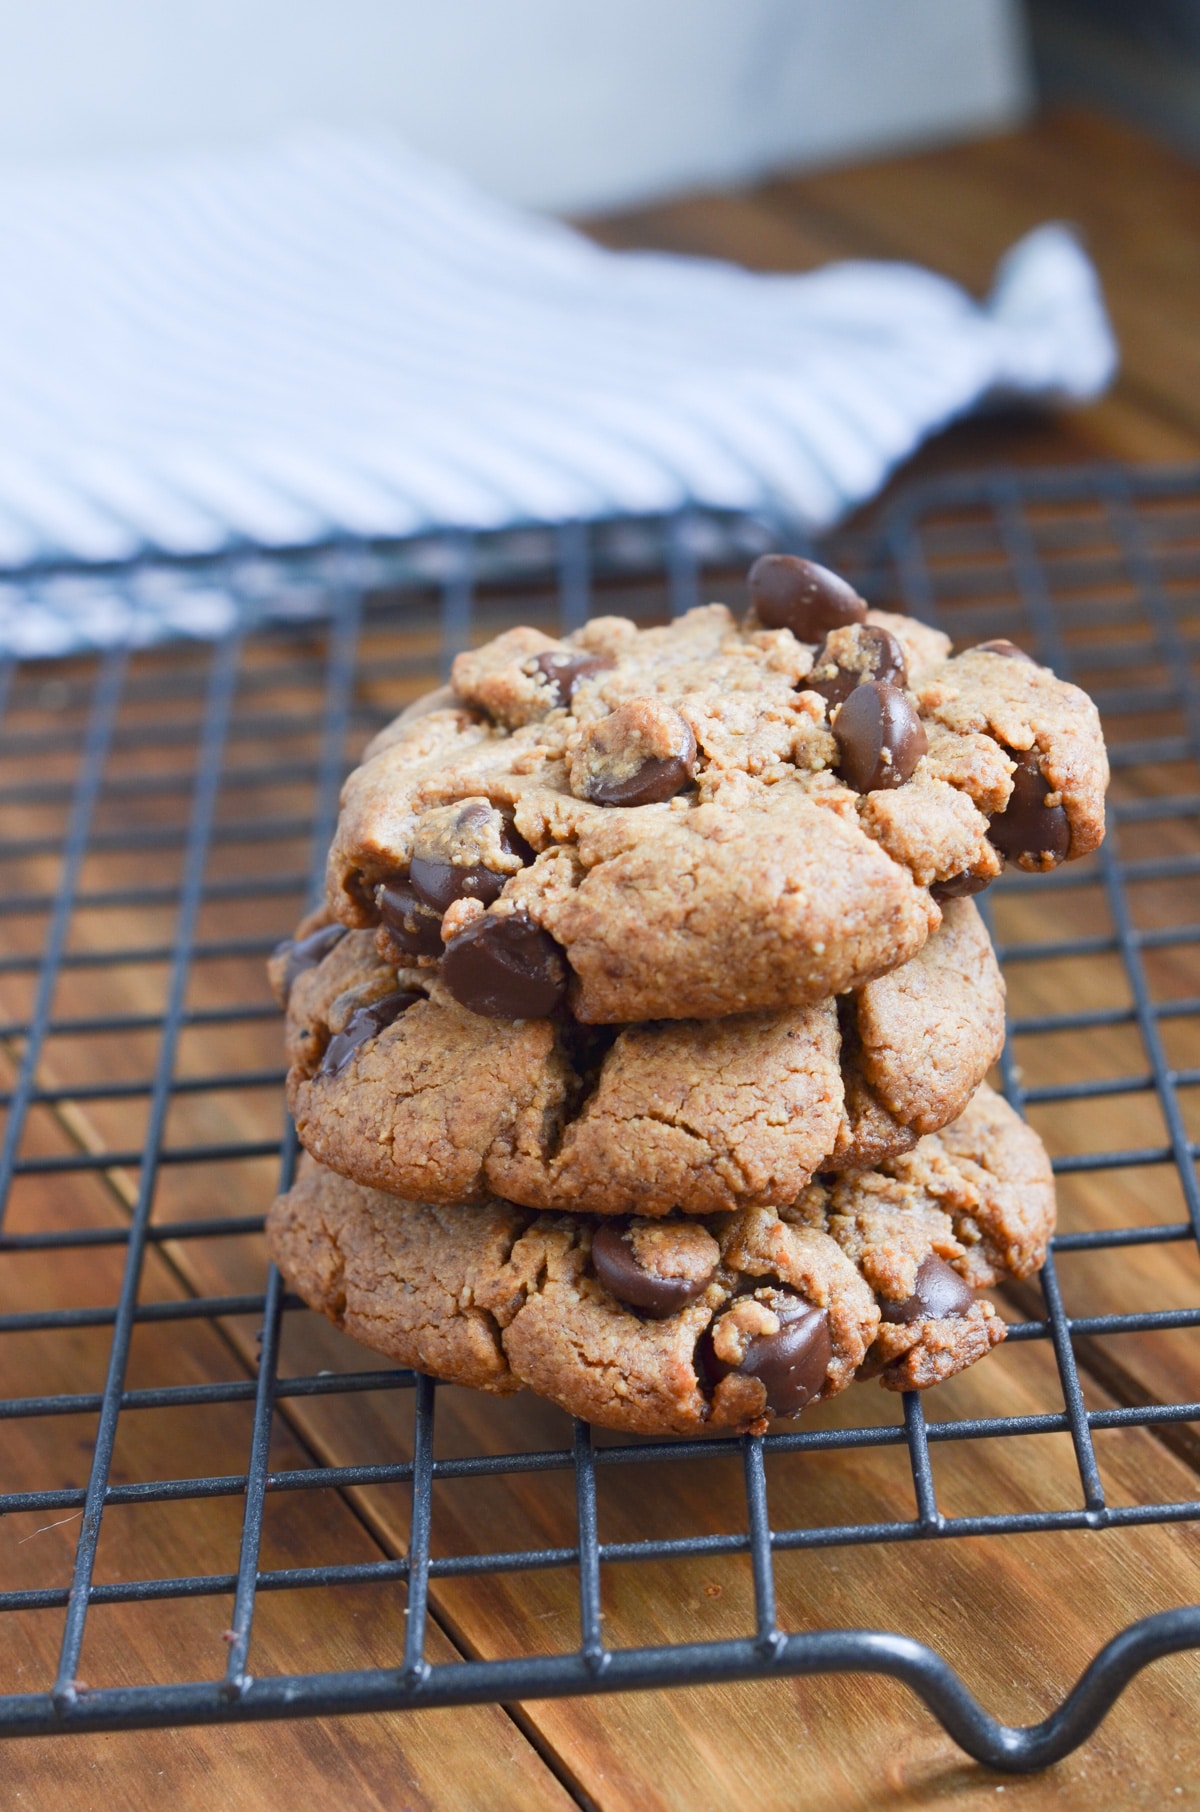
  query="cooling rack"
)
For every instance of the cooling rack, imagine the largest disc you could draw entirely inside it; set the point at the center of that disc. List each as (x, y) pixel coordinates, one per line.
(164, 809)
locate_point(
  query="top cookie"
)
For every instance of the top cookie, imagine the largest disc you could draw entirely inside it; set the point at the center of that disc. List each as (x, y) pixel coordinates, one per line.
(710, 817)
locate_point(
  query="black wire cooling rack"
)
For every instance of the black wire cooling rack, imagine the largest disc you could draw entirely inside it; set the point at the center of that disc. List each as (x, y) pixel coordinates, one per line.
(191, 788)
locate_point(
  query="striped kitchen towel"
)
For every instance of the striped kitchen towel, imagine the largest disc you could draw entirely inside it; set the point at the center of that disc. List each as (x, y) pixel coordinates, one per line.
(331, 335)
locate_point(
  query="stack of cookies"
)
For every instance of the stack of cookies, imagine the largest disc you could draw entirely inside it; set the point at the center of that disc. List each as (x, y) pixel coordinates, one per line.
(639, 1050)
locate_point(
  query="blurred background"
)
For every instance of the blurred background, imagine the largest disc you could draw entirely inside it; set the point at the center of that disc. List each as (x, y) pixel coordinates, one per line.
(567, 105)
(556, 103)
(283, 272)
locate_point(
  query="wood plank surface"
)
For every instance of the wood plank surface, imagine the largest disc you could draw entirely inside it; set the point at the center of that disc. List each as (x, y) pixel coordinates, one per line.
(1008, 1614)
(434, 1759)
(1017, 1617)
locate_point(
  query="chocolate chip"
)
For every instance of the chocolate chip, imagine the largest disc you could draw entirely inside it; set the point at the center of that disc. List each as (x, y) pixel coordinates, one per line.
(791, 1365)
(367, 1023)
(961, 886)
(795, 594)
(564, 672)
(618, 1269)
(1004, 647)
(877, 655)
(1028, 830)
(640, 754)
(880, 737)
(506, 968)
(413, 928)
(440, 883)
(624, 1278)
(650, 784)
(940, 1293)
(305, 953)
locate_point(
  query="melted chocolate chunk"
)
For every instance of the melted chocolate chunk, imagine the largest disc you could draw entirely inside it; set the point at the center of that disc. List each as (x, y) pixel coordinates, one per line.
(642, 753)
(653, 778)
(305, 953)
(791, 1365)
(1028, 827)
(795, 594)
(506, 968)
(439, 884)
(657, 779)
(1002, 646)
(413, 928)
(882, 659)
(880, 737)
(940, 1293)
(618, 1269)
(367, 1023)
(563, 672)
(960, 887)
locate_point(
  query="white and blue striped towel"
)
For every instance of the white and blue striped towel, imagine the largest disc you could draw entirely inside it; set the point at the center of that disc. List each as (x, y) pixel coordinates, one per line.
(331, 335)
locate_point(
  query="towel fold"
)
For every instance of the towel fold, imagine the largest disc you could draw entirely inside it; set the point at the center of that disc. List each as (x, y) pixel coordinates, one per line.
(332, 336)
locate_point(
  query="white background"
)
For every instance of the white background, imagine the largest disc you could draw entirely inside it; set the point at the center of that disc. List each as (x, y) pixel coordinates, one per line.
(569, 104)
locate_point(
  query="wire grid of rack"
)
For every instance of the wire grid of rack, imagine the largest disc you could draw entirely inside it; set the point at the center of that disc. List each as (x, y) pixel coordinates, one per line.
(192, 788)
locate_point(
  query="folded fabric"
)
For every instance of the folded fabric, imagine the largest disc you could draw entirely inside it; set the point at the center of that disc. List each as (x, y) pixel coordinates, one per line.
(330, 335)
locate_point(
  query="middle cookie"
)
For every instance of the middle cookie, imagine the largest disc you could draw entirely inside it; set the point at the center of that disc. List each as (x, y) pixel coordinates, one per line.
(395, 1085)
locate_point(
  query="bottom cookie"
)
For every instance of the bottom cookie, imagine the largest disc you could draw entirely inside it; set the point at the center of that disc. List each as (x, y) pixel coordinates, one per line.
(680, 1325)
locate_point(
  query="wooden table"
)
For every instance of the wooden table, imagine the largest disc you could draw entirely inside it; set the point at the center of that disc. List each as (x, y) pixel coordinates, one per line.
(1017, 1620)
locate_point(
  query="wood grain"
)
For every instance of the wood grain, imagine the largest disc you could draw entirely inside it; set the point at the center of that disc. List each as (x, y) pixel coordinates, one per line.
(435, 1759)
(1009, 1615)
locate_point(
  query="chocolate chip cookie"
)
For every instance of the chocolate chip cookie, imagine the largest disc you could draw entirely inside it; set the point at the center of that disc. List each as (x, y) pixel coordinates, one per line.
(709, 818)
(396, 1084)
(681, 1325)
